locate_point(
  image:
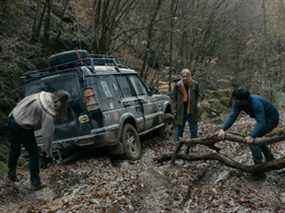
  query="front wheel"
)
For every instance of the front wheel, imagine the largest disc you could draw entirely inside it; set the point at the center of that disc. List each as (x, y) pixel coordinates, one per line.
(131, 142)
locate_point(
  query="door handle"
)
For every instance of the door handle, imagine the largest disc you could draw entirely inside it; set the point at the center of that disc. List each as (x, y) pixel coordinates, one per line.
(142, 100)
(125, 103)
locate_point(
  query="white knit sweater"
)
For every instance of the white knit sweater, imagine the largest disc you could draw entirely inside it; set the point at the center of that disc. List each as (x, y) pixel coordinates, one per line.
(37, 112)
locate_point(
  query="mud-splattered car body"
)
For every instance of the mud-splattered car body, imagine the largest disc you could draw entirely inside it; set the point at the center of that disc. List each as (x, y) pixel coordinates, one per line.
(110, 106)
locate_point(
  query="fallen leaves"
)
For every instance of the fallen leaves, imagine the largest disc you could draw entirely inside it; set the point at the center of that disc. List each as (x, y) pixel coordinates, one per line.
(97, 184)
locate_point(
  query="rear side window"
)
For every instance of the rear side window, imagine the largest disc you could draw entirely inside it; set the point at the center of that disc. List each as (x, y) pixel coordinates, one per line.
(68, 82)
(125, 86)
(107, 87)
(106, 90)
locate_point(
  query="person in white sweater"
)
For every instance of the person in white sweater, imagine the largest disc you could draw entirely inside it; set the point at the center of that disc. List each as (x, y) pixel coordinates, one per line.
(34, 112)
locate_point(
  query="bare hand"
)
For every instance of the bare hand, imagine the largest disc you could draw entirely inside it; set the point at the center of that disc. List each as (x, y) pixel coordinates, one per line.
(221, 134)
(249, 140)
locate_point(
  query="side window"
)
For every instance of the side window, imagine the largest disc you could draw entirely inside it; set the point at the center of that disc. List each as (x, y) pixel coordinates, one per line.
(106, 90)
(107, 87)
(125, 86)
(51, 83)
(138, 85)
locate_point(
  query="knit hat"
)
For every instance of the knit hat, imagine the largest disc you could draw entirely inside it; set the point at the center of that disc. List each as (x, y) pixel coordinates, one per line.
(241, 93)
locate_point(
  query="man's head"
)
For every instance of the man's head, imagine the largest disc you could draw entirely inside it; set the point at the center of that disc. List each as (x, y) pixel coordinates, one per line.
(241, 94)
(186, 76)
(61, 99)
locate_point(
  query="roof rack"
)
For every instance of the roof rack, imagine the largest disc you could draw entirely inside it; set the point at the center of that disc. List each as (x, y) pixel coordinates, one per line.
(64, 61)
(100, 56)
(89, 61)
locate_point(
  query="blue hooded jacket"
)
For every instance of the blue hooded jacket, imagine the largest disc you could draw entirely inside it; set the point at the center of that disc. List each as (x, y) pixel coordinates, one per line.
(265, 114)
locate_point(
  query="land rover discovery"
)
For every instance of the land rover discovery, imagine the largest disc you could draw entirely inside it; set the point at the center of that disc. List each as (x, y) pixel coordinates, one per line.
(110, 105)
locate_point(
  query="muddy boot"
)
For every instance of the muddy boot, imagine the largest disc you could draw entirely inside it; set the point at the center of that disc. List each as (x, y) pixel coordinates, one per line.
(36, 183)
(187, 151)
(270, 158)
(258, 176)
(12, 176)
(267, 153)
(37, 187)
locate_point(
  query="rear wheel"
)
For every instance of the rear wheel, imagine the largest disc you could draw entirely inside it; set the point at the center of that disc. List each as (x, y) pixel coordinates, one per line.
(131, 142)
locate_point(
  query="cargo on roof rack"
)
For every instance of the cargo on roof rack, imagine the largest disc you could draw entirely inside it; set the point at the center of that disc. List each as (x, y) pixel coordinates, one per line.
(64, 61)
(67, 57)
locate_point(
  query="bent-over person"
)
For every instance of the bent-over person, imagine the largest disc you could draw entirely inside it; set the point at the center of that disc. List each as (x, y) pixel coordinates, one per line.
(265, 115)
(32, 113)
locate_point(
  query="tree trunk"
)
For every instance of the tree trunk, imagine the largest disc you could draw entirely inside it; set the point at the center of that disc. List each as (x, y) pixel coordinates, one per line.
(263, 167)
(49, 4)
(38, 21)
(60, 26)
(210, 142)
(150, 27)
(173, 7)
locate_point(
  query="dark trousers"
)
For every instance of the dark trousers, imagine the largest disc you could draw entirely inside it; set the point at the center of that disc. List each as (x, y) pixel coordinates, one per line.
(19, 137)
(258, 150)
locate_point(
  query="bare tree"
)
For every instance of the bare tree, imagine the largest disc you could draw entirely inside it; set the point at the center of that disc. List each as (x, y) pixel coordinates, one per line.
(49, 4)
(150, 27)
(173, 8)
(38, 19)
(107, 16)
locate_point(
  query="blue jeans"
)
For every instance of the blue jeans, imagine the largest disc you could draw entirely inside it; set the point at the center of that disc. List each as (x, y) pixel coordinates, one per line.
(258, 150)
(193, 126)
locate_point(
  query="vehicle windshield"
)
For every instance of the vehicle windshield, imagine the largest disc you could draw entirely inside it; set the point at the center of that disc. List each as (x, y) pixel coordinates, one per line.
(68, 82)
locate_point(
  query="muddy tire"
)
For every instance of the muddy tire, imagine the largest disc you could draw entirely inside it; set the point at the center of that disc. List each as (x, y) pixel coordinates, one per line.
(131, 142)
(167, 131)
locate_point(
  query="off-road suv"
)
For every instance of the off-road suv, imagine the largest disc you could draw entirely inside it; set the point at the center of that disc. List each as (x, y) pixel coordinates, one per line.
(110, 105)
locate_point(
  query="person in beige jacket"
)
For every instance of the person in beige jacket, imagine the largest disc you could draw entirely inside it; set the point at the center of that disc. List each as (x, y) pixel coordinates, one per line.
(34, 112)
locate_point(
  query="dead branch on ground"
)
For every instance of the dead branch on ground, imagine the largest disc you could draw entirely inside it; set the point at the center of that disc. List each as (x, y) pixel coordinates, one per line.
(211, 141)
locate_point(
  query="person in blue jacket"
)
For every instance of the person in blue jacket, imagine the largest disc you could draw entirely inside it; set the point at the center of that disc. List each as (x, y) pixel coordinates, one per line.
(265, 115)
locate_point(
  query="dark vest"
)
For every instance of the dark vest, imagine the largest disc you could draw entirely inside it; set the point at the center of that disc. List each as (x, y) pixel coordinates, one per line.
(193, 90)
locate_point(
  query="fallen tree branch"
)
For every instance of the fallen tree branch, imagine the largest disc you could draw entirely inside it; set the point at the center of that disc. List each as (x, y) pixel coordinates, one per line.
(264, 167)
(211, 140)
(208, 141)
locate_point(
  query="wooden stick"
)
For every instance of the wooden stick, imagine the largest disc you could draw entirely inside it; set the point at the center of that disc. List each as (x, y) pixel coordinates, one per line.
(210, 142)
(263, 167)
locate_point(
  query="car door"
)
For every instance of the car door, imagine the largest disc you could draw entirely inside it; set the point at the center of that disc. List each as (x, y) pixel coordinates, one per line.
(109, 96)
(131, 102)
(67, 125)
(151, 111)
